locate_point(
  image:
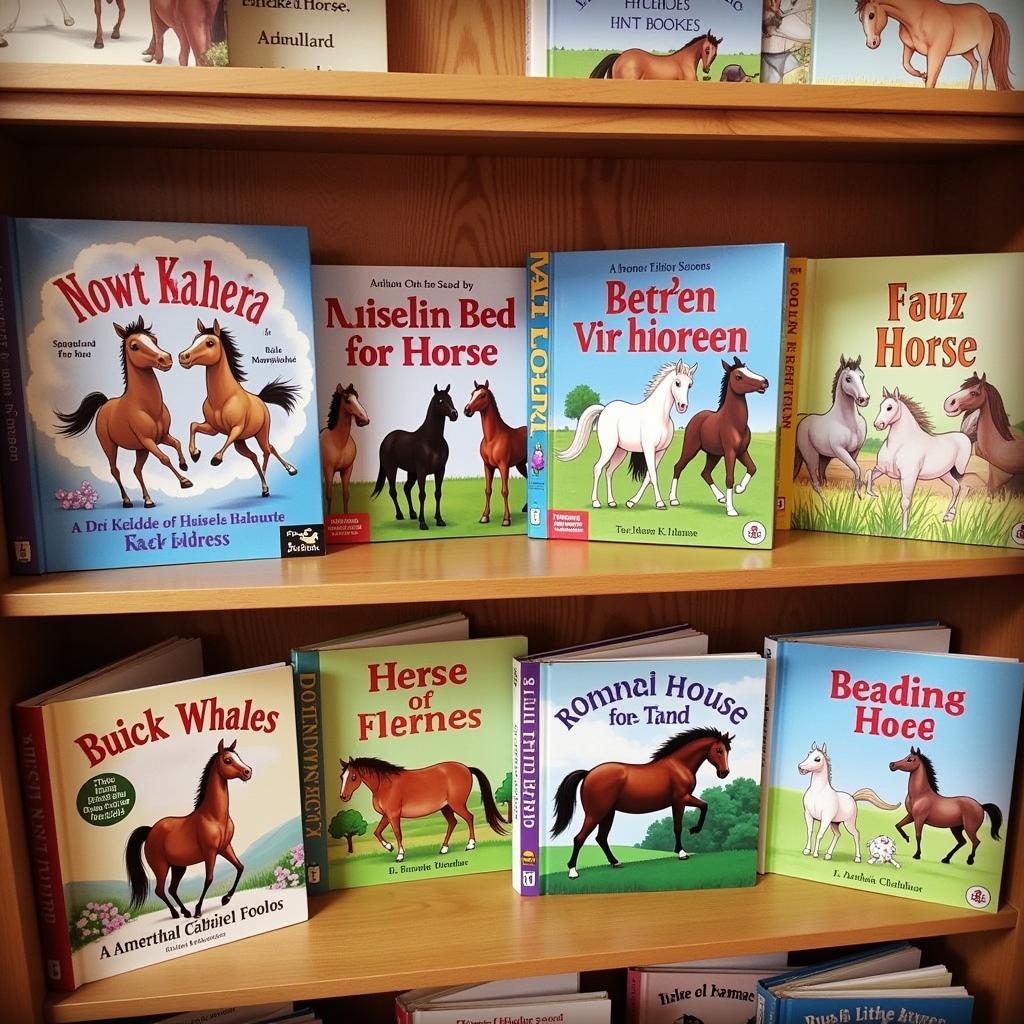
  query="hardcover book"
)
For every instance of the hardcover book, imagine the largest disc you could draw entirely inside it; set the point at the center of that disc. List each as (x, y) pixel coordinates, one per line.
(786, 41)
(160, 395)
(653, 394)
(722, 995)
(163, 815)
(423, 423)
(910, 399)
(875, 782)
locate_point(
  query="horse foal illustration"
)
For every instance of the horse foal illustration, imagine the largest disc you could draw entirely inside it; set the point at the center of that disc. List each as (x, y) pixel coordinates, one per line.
(679, 66)
(337, 445)
(502, 446)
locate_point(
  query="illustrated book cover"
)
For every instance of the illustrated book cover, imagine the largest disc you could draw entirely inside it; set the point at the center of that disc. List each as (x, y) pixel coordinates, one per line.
(163, 815)
(159, 394)
(876, 783)
(653, 394)
(405, 754)
(910, 401)
(423, 421)
(786, 41)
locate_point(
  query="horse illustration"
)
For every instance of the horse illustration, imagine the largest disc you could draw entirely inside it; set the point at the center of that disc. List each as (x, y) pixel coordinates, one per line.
(201, 837)
(678, 66)
(644, 430)
(337, 445)
(912, 451)
(838, 433)
(69, 21)
(786, 27)
(399, 793)
(198, 24)
(829, 806)
(138, 420)
(230, 409)
(502, 446)
(927, 806)
(939, 30)
(667, 780)
(982, 407)
(420, 453)
(723, 433)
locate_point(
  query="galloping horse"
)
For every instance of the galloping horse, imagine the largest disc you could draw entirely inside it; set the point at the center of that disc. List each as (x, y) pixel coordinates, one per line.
(502, 446)
(230, 409)
(416, 792)
(69, 21)
(337, 445)
(197, 24)
(201, 837)
(678, 66)
(138, 420)
(723, 433)
(667, 780)
(926, 806)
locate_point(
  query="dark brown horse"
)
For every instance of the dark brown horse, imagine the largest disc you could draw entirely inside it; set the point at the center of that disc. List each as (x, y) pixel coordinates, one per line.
(501, 448)
(926, 806)
(723, 434)
(678, 66)
(667, 780)
(198, 24)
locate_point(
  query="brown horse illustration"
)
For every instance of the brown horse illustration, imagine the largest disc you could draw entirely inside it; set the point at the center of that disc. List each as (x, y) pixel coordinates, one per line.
(502, 446)
(667, 780)
(678, 66)
(69, 21)
(927, 806)
(337, 445)
(197, 838)
(416, 792)
(230, 409)
(198, 24)
(723, 433)
(138, 421)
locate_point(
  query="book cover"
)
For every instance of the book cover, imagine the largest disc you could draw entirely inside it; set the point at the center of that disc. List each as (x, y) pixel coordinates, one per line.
(911, 400)
(722, 996)
(875, 779)
(582, 1008)
(423, 423)
(160, 394)
(405, 754)
(663, 362)
(786, 41)
(690, 41)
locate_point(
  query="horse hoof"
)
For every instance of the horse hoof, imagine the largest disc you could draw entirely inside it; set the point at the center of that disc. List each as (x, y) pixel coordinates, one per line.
(444, 849)
(225, 901)
(674, 502)
(629, 504)
(69, 21)
(149, 503)
(400, 858)
(265, 493)
(291, 470)
(127, 503)
(597, 504)
(660, 505)
(3, 42)
(573, 873)
(856, 860)
(216, 460)
(195, 454)
(721, 501)
(828, 856)
(815, 855)
(185, 913)
(174, 915)
(731, 512)
(148, 58)
(440, 522)
(471, 845)
(98, 45)
(683, 855)
(506, 522)
(185, 484)
(807, 851)
(917, 856)
(182, 465)
(617, 864)
(485, 519)
(115, 34)
(423, 526)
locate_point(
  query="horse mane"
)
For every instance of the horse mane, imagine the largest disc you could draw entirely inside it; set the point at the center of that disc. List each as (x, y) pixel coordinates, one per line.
(697, 39)
(929, 771)
(135, 327)
(231, 352)
(861, 4)
(828, 764)
(844, 364)
(381, 768)
(918, 412)
(204, 780)
(335, 409)
(725, 380)
(660, 374)
(674, 743)
(996, 408)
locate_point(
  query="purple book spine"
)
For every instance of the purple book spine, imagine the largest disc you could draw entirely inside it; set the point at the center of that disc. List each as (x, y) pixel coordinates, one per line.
(527, 866)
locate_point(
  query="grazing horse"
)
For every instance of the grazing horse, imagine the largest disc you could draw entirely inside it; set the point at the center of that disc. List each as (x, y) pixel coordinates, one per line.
(337, 445)
(138, 420)
(502, 446)
(926, 806)
(667, 780)
(420, 453)
(198, 24)
(201, 837)
(723, 433)
(416, 792)
(230, 409)
(679, 66)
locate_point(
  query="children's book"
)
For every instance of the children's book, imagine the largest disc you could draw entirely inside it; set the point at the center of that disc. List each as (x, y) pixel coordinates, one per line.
(268, 1013)
(786, 41)
(423, 422)
(910, 399)
(498, 993)
(638, 772)
(405, 754)
(653, 394)
(691, 41)
(160, 395)
(876, 782)
(569, 1008)
(163, 811)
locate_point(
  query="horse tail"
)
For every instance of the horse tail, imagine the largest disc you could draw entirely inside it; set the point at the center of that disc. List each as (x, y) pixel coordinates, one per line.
(584, 425)
(637, 465)
(77, 422)
(491, 812)
(381, 477)
(133, 862)
(218, 30)
(995, 816)
(604, 67)
(1000, 53)
(873, 798)
(282, 393)
(565, 800)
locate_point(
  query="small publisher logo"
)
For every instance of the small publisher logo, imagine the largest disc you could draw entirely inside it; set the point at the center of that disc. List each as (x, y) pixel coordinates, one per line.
(535, 517)
(529, 857)
(23, 551)
(1017, 534)
(53, 970)
(299, 541)
(313, 874)
(754, 532)
(529, 878)
(780, 504)
(978, 897)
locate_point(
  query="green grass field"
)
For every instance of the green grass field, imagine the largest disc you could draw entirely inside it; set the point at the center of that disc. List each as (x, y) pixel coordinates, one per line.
(579, 63)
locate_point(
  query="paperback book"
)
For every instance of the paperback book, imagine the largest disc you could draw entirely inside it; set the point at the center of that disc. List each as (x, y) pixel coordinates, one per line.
(786, 41)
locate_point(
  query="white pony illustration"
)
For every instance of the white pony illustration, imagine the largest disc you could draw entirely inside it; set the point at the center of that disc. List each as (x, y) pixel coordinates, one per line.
(643, 431)
(830, 807)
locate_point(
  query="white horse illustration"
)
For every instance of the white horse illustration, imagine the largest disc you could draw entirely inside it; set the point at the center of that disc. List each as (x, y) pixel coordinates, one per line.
(913, 451)
(12, 24)
(838, 433)
(643, 430)
(830, 807)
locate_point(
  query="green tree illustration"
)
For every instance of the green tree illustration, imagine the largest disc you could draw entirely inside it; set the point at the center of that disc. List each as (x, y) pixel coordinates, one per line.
(346, 824)
(504, 795)
(731, 822)
(577, 400)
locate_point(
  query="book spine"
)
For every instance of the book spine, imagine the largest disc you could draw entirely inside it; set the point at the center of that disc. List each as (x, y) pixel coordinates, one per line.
(767, 1006)
(538, 378)
(526, 864)
(309, 725)
(771, 650)
(42, 839)
(792, 348)
(634, 996)
(402, 1015)
(537, 64)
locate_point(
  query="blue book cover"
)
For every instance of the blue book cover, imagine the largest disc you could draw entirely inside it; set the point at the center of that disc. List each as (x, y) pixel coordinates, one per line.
(159, 394)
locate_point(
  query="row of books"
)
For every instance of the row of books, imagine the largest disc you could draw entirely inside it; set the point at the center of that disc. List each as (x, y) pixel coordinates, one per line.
(171, 811)
(181, 393)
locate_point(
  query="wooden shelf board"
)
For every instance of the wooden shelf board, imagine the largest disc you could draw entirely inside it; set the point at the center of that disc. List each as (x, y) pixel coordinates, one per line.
(378, 939)
(497, 568)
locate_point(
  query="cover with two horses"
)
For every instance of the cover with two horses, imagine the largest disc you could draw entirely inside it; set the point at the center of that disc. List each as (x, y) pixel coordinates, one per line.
(159, 395)
(891, 771)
